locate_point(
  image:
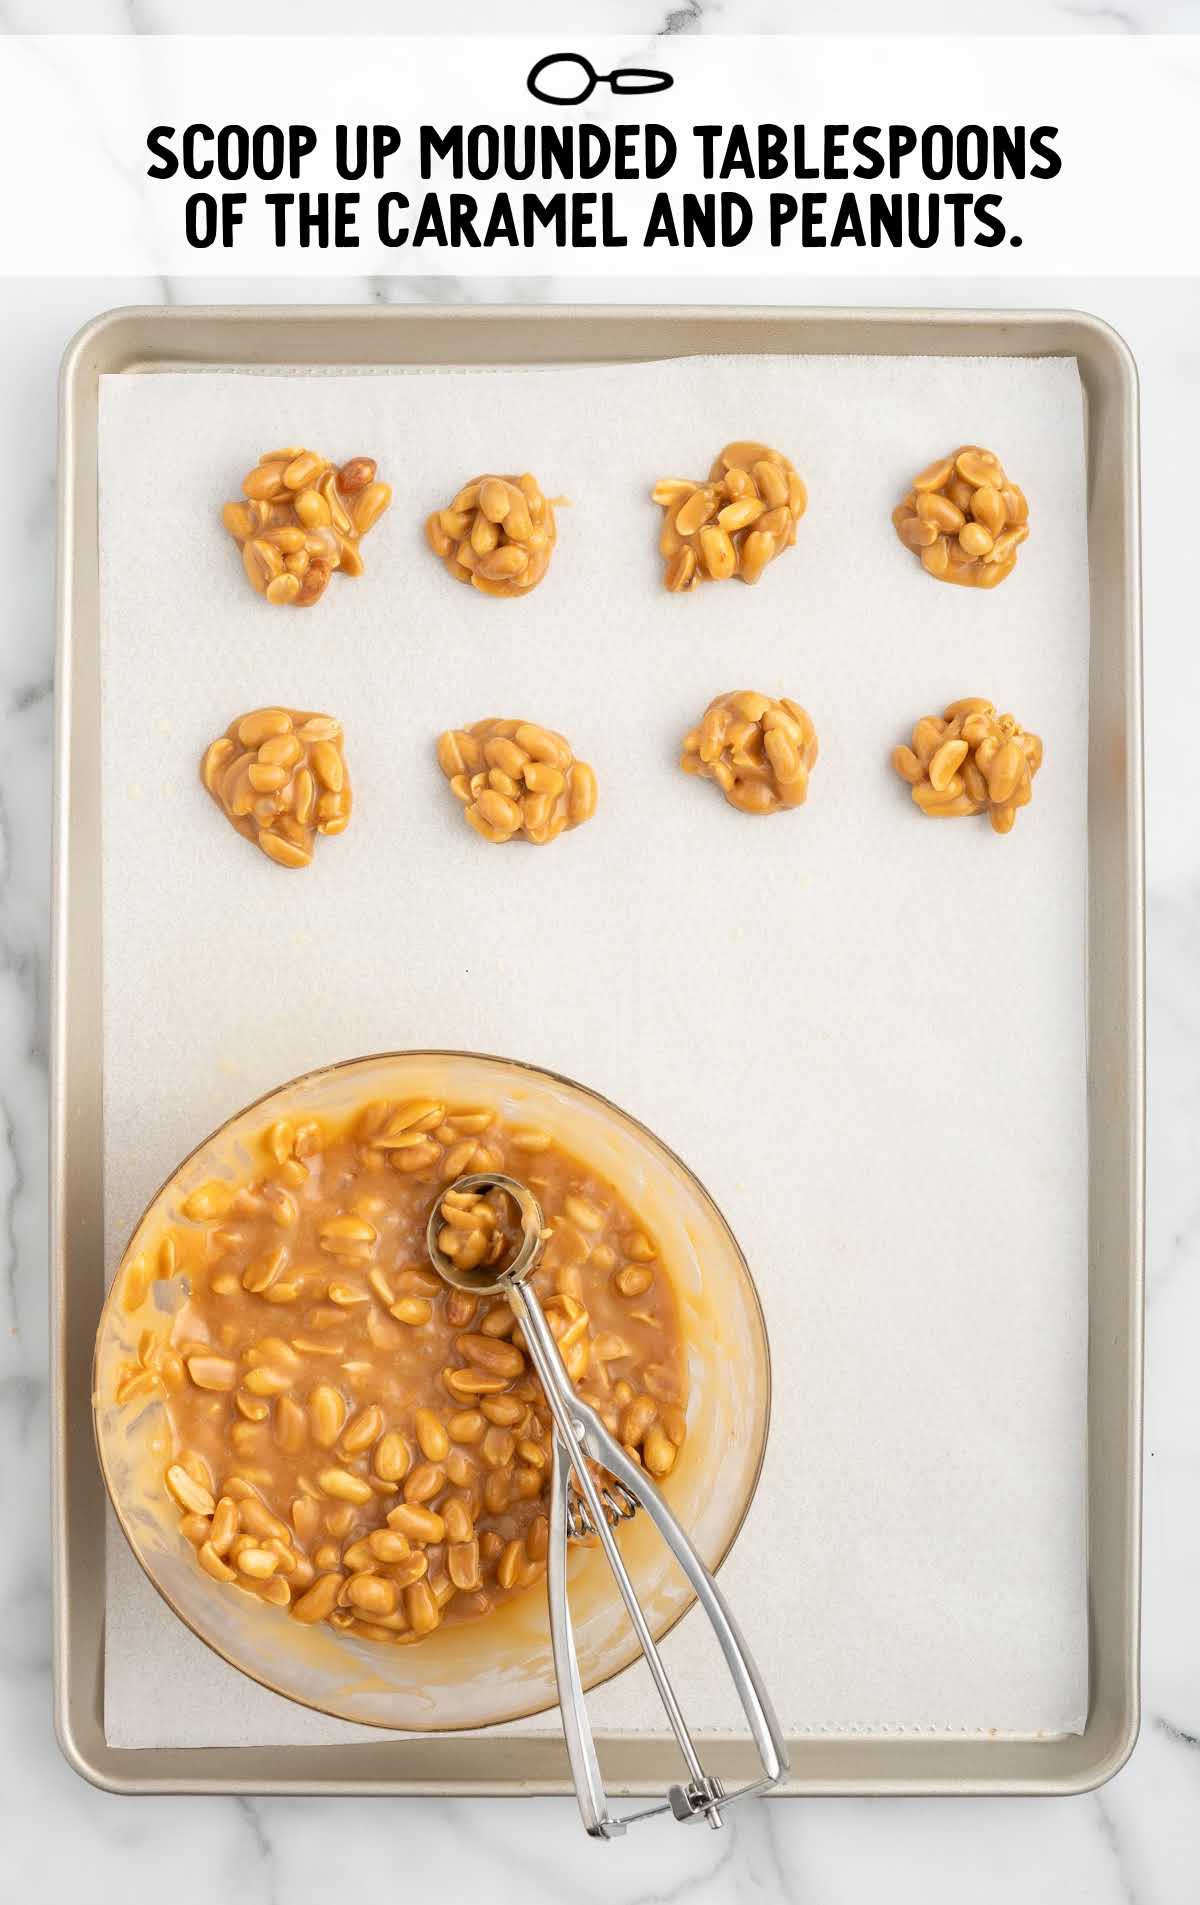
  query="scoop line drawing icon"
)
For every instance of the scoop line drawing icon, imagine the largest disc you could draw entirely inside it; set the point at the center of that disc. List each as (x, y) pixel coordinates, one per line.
(623, 80)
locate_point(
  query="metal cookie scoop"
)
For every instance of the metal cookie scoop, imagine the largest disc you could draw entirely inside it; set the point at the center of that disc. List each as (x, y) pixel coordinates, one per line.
(578, 1505)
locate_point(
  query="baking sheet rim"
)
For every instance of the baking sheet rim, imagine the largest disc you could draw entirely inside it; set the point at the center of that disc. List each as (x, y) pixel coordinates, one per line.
(894, 1764)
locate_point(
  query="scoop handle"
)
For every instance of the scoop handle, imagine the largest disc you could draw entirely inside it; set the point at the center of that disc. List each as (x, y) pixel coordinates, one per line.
(576, 1726)
(579, 1432)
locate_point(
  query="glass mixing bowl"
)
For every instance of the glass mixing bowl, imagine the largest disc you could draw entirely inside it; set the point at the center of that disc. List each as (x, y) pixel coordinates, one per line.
(483, 1672)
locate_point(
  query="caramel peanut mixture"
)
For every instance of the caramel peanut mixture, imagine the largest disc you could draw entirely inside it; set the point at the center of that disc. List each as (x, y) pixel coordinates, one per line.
(498, 534)
(516, 779)
(279, 776)
(355, 1441)
(302, 518)
(760, 752)
(965, 519)
(735, 523)
(970, 760)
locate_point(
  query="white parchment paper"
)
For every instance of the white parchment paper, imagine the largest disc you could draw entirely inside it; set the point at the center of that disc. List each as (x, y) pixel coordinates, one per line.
(864, 1031)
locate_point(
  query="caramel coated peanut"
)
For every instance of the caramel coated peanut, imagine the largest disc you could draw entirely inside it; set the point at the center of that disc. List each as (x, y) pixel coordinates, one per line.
(516, 780)
(280, 778)
(498, 534)
(301, 520)
(970, 760)
(964, 519)
(732, 525)
(759, 752)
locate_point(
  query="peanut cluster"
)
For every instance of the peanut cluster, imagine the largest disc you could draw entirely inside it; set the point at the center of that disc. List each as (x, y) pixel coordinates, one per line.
(734, 524)
(280, 778)
(514, 777)
(498, 534)
(301, 519)
(970, 760)
(965, 519)
(760, 752)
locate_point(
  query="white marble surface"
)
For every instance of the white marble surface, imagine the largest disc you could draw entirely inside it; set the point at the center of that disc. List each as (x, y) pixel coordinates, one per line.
(1137, 1839)
(614, 16)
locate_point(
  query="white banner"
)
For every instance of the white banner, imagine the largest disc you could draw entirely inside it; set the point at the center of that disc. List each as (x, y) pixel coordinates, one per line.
(706, 155)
